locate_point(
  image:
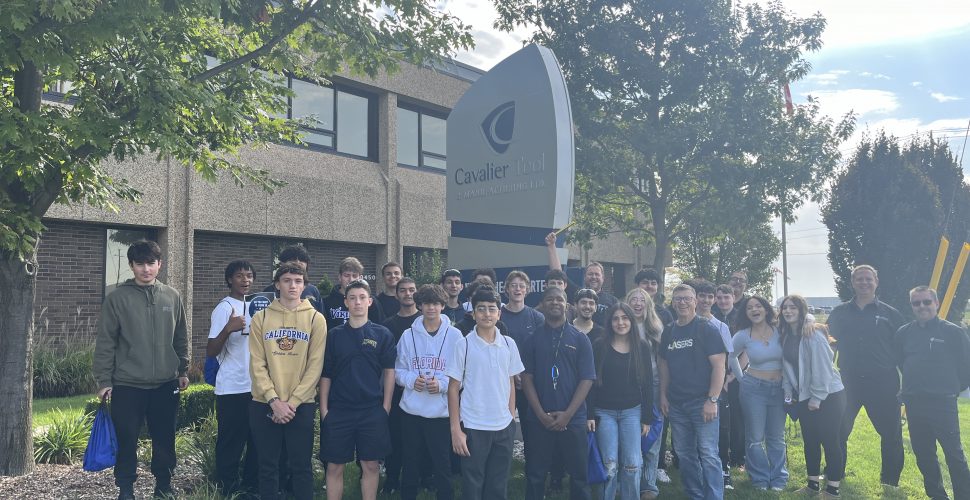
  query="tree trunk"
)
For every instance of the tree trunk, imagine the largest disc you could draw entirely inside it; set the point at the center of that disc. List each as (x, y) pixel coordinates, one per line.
(17, 284)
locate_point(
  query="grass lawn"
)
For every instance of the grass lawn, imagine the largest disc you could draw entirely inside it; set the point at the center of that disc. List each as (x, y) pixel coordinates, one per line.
(862, 481)
(43, 409)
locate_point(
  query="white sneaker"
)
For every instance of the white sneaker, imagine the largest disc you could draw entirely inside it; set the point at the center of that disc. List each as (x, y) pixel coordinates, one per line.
(662, 476)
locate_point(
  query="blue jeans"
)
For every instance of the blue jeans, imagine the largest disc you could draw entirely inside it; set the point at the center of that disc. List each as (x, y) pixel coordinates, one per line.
(618, 437)
(651, 459)
(696, 444)
(764, 430)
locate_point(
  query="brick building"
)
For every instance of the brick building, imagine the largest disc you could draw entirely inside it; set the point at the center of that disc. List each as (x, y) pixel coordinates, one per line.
(370, 183)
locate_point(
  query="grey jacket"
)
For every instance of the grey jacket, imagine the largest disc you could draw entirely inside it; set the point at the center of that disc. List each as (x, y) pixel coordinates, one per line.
(817, 376)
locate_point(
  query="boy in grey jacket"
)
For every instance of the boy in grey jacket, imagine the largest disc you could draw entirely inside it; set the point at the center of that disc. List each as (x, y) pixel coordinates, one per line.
(140, 362)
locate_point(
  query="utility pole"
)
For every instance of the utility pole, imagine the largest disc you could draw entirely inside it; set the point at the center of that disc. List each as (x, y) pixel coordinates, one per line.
(784, 257)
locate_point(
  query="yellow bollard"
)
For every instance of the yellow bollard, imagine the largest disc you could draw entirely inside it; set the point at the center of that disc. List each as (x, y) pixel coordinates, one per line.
(940, 259)
(951, 289)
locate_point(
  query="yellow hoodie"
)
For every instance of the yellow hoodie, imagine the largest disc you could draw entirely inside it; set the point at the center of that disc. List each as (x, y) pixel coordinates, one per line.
(286, 352)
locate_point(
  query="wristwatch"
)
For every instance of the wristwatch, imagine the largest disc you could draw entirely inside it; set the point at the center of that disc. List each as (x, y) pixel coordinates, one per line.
(712, 399)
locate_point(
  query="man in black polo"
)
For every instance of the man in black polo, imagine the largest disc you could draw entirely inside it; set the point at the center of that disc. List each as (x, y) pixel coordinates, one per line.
(864, 328)
(934, 357)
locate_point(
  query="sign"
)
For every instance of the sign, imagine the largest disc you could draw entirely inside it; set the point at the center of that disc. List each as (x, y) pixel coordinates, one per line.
(510, 164)
(537, 277)
(255, 302)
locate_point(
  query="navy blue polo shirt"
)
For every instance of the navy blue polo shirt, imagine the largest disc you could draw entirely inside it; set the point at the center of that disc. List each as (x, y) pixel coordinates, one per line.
(686, 350)
(354, 362)
(521, 325)
(568, 349)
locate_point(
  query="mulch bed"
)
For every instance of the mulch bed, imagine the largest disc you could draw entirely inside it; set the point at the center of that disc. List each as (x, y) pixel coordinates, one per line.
(71, 482)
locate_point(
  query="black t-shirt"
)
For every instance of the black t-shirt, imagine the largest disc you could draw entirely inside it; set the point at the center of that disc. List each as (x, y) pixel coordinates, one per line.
(789, 350)
(397, 324)
(455, 314)
(619, 390)
(686, 350)
(389, 304)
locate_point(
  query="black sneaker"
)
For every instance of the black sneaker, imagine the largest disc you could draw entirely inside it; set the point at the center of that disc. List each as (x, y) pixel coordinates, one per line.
(126, 492)
(163, 489)
(728, 485)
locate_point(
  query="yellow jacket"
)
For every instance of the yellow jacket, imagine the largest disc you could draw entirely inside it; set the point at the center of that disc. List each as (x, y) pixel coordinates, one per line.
(286, 352)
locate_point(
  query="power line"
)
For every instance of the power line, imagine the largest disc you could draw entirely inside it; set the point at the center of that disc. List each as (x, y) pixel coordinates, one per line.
(817, 228)
(811, 253)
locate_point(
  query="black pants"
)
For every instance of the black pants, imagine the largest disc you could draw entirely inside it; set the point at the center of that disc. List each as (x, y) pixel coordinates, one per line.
(724, 432)
(232, 413)
(737, 424)
(485, 474)
(393, 460)
(269, 437)
(933, 419)
(425, 436)
(878, 395)
(130, 408)
(540, 451)
(820, 430)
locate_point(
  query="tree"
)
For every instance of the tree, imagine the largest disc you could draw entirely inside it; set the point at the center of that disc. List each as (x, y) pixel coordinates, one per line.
(142, 84)
(677, 103)
(889, 208)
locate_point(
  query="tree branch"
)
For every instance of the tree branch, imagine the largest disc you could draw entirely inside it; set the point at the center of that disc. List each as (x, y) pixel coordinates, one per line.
(304, 16)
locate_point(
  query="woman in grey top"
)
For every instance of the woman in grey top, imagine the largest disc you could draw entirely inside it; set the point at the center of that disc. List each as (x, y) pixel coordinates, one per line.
(762, 397)
(814, 387)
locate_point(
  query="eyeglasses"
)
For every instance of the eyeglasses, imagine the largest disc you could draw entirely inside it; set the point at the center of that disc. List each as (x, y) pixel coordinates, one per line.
(682, 299)
(738, 280)
(516, 286)
(924, 302)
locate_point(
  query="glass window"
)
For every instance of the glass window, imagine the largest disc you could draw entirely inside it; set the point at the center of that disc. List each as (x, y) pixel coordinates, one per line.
(116, 269)
(433, 161)
(314, 103)
(407, 137)
(433, 135)
(318, 138)
(352, 124)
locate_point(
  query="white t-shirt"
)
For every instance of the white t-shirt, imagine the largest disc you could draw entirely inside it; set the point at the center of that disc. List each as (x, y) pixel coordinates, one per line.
(485, 379)
(233, 376)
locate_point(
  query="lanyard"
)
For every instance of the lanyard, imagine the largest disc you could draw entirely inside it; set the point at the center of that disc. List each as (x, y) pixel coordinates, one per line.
(442, 346)
(554, 371)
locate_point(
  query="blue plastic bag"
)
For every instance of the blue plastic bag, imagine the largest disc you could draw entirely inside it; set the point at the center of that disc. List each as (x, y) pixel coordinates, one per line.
(210, 370)
(656, 428)
(595, 470)
(103, 443)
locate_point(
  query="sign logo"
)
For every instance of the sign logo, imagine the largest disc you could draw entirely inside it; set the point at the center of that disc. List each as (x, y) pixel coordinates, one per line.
(258, 303)
(499, 126)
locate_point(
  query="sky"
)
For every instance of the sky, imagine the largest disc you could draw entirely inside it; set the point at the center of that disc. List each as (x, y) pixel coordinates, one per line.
(899, 65)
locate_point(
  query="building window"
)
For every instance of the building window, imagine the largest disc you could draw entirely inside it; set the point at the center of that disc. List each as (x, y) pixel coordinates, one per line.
(421, 139)
(336, 118)
(116, 268)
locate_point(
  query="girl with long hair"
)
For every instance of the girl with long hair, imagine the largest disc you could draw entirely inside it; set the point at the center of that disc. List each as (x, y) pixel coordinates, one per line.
(650, 328)
(622, 401)
(762, 397)
(814, 386)
(645, 315)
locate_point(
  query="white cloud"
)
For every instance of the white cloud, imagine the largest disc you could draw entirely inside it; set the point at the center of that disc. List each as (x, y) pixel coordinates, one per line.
(827, 78)
(873, 22)
(836, 103)
(876, 76)
(491, 45)
(917, 84)
(941, 97)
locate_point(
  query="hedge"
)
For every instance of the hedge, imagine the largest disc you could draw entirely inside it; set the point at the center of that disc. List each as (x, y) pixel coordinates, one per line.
(195, 404)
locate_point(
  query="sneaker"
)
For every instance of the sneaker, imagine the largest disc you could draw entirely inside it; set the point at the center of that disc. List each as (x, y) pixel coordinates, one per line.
(648, 495)
(777, 488)
(662, 476)
(833, 492)
(813, 488)
(728, 485)
(163, 489)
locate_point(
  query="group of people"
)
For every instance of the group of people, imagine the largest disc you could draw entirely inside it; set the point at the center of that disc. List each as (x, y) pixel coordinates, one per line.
(428, 380)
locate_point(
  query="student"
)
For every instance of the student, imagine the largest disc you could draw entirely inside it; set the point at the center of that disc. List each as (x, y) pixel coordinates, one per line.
(814, 386)
(391, 273)
(297, 255)
(559, 372)
(762, 395)
(398, 324)
(141, 357)
(648, 279)
(480, 416)
(286, 345)
(705, 309)
(335, 307)
(934, 358)
(586, 307)
(229, 343)
(521, 321)
(423, 355)
(468, 322)
(692, 357)
(739, 284)
(355, 395)
(558, 279)
(451, 282)
(485, 273)
(728, 314)
(864, 328)
(593, 277)
(621, 401)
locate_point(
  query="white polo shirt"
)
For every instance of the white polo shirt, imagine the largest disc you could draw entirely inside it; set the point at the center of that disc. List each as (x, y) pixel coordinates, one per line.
(233, 376)
(483, 369)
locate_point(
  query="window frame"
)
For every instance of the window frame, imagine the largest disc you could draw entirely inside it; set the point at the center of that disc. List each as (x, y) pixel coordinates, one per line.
(372, 118)
(421, 112)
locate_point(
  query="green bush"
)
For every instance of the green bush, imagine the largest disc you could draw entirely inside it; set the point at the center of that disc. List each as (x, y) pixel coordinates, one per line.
(196, 403)
(63, 369)
(196, 446)
(64, 440)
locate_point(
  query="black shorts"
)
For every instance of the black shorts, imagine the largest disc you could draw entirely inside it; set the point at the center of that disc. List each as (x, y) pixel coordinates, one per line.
(344, 432)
